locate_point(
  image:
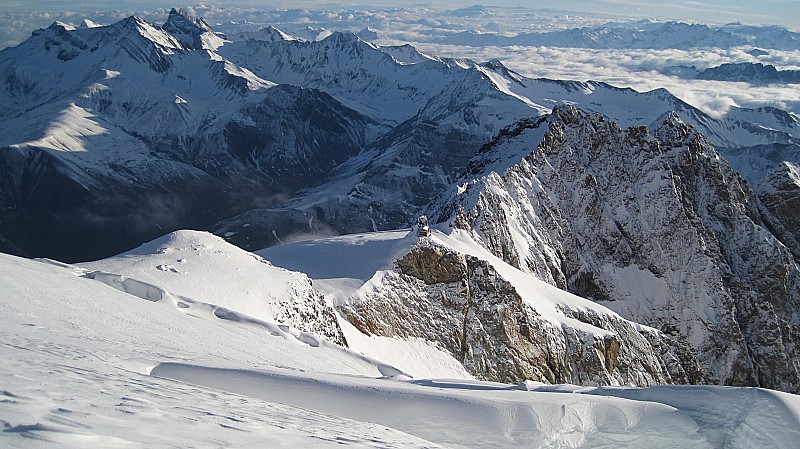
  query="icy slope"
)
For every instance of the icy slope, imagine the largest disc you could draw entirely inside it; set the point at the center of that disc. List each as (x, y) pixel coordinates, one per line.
(85, 363)
(77, 354)
(206, 268)
(461, 414)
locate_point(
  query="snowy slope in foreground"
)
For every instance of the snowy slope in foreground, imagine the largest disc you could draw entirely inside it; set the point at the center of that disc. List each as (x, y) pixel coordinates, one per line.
(206, 268)
(77, 353)
(86, 364)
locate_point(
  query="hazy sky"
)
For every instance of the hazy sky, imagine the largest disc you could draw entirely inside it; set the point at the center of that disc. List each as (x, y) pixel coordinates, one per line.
(781, 12)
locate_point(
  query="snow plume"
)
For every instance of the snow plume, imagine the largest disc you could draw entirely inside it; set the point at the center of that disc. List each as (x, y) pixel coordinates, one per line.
(316, 230)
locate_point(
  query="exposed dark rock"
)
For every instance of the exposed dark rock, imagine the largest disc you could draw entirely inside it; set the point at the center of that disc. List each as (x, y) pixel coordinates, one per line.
(655, 225)
(462, 305)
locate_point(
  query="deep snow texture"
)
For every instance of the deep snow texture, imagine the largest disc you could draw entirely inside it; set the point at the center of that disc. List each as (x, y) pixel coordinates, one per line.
(86, 363)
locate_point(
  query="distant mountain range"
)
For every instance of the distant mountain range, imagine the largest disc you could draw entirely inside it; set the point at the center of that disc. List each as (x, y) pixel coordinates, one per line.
(116, 134)
(754, 73)
(644, 34)
(584, 233)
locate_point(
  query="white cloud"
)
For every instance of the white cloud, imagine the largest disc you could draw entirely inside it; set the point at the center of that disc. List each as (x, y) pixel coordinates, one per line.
(641, 70)
(420, 25)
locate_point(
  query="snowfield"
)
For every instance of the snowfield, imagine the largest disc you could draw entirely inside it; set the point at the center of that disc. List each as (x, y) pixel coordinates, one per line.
(160, 363)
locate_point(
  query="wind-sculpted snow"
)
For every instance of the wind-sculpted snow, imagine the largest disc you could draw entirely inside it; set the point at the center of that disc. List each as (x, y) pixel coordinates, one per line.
(205, 268)
(85, 362)
(77, 356)
(462, 414)
(653, 224)
(759, 409)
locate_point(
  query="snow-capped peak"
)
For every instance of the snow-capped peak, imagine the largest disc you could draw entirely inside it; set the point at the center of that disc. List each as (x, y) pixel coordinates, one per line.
(368, 34)
(340, 38)
(60, 26)
(272, 34)
(86, 23)
(182, 20)
(205, 268)
(193, 33)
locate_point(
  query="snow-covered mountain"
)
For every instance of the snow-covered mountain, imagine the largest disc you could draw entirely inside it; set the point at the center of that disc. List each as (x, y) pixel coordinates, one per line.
(190, 123)
(605, 245)
(748, 72)
(653, 224)
(779, 192)
(117, 133)
(644, 34)
(500, 323)
(459, 107)
(137, 129)
(138, 366)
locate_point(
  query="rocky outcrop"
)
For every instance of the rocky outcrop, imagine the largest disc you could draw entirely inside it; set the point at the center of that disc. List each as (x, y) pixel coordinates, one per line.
(653, 224)
(779, 192)
(465, 307)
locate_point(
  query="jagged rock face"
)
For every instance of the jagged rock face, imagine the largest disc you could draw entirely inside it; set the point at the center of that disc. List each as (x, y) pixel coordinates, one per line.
(654, 225)
(186, 28)
(780, 194)
(307, 310)
(461, 304)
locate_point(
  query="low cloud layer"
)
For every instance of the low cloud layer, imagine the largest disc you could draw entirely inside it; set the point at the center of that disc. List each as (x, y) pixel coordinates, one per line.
(643, 70)
(423, 27)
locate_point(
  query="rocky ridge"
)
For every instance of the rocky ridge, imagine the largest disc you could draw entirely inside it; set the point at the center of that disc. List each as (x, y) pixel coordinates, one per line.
(463, 305)
(146, 128)
(653, 224)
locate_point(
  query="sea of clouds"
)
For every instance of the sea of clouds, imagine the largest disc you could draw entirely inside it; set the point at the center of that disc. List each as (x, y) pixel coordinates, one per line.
(431, 30)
